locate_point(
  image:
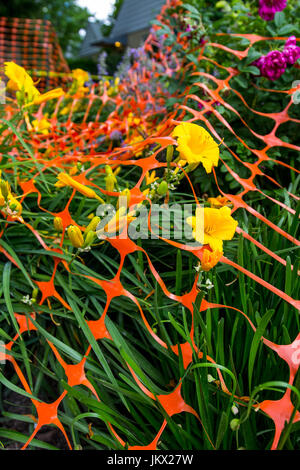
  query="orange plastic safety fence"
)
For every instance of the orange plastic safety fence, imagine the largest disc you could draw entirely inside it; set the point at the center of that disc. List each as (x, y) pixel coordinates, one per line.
(33, 44)
(78, 141)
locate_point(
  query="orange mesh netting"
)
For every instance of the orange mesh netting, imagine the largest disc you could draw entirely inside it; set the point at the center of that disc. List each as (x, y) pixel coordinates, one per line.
(78, 142)
(33, 44)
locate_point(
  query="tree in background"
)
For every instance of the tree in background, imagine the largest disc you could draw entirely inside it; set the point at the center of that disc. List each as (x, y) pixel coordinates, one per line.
(107, 27)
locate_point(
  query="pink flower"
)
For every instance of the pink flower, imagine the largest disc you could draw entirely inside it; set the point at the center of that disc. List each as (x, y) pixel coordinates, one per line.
(272, 66)
(291, 51)
(268, 8)
(291, 41)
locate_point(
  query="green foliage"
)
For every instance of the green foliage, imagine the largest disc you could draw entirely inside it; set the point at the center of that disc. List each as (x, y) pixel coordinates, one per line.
(108, 26)
(250, 369)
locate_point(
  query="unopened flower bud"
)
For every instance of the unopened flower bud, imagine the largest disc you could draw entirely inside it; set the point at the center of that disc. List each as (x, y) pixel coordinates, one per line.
(92, 225)
(110, 181)
(34, 294)
(117, 170)
(235, 424)
(58, 225)
(75, 236)
(170, 151)
(162, 188)
(124, 194)
(5, 188)
(108, 170)
(89, 238)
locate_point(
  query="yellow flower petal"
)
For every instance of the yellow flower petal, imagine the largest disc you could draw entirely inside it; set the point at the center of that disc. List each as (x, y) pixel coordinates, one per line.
(65, 180)
(212, 226)
(195, 145)
(210, 259)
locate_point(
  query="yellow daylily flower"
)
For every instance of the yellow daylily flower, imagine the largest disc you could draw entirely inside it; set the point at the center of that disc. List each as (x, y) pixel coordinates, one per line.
(196, 145)
(41, 125)
(65, 180)
(150, 177)
(73, 170)
(18, 75)
(212, 226)
(8, 202)
(12, 86)
(15, 207)
(81, 76)
(20, 80)
(49, 95)
(65, 110)
(210, 259)
(218, 201)
(133, 120)
(117, 222)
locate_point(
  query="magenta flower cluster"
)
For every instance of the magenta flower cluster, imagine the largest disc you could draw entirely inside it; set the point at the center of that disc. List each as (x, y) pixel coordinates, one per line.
(268, 8)
(274, 64)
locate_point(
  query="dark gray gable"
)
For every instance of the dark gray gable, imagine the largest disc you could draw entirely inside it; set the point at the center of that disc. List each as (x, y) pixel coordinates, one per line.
(93, 34)
(135, 15)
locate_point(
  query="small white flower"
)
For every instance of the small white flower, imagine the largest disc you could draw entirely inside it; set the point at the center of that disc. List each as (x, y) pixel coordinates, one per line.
(84, 250)
(234, 409)
(26, 300)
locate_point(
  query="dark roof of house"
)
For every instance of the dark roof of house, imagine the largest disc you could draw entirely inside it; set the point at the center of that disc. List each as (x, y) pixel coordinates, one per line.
(93, 35)
(136, 15)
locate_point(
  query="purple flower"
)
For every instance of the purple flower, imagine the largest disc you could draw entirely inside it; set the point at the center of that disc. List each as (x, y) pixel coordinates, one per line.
(291, 51)
(273, 65)
(291, 54)
(115, 135)
(268, 8)
(259, 62)
(291, 41)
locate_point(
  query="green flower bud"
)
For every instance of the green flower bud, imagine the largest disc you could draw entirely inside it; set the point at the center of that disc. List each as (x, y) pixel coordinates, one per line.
(162, 188)
(5, 188)
(89, 239)
(92, 225)
(170, 151)
(34, 293)
(235, 424)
